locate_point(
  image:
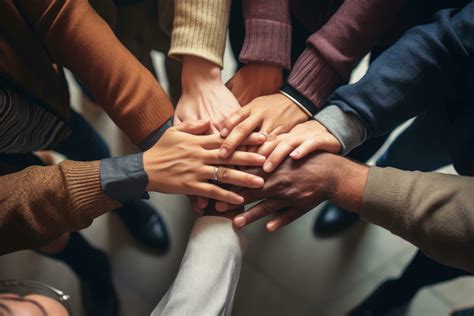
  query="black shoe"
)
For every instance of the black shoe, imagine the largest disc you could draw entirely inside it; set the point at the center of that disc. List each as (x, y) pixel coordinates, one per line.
(145, 225)
(98, 292)
(465, 311)
(332, 220)
(387, 298)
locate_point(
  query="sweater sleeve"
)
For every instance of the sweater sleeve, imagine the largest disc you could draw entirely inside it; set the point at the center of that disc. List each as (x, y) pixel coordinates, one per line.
(334, 50)
(433, 211)
(267, 32)
(39, 204)
(419, 71)
(78, 39)
(200, 29)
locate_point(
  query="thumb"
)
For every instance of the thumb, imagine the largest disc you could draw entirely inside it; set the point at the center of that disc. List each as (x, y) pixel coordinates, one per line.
(194, 127)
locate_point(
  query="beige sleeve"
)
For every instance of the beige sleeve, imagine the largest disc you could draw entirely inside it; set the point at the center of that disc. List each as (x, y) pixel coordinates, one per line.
(200, 28)
(433, 211)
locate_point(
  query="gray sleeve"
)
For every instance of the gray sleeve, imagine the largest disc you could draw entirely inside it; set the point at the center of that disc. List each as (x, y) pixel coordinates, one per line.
(155, 136)
(346, 127)
(124, 178)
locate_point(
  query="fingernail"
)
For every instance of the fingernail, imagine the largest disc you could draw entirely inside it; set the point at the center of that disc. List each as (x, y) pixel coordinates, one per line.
(271, 227)
(294, 154)
(261, 138)
(258, 181)
(223, 153)
(224, 132)
(239, 221)
(267, 167)
(239, 200)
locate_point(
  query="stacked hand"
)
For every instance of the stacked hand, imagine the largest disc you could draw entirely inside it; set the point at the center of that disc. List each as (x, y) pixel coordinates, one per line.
(183, 161)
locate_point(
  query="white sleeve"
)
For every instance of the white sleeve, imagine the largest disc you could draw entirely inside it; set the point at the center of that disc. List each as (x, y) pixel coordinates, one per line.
(209, 272)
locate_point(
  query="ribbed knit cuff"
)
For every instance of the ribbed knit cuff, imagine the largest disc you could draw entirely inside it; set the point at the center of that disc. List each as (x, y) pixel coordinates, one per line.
(84, 186)
(267, 42)
(314, 77)
(200, 29)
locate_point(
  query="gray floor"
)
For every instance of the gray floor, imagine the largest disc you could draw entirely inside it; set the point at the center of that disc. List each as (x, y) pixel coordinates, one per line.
(286, 273)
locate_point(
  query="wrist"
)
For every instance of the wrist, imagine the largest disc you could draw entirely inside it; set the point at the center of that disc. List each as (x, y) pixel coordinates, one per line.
(349, 179)
(198, 72)
(148, 162)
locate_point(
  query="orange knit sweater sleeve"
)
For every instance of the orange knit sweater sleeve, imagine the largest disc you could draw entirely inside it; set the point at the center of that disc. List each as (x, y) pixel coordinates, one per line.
(78, 39)
(39, 204)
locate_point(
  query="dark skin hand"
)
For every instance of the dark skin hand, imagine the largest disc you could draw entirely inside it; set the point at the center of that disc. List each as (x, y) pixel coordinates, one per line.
(296, 187)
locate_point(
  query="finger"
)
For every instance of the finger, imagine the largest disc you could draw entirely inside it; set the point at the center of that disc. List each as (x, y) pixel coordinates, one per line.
(176, 119)
(282, 150)
(194, 127)
(254, 139)
(234, 177)
(267, 148)
(201, 202)
(215, 192)
(311, 145)
(284, 219)
(260, 210)
(238, 158)
(223, 207)
(234, 119)
(237, 136)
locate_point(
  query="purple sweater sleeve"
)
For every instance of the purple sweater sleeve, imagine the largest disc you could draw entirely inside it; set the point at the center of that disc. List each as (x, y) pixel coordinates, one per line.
(267, 32)
(334, 50)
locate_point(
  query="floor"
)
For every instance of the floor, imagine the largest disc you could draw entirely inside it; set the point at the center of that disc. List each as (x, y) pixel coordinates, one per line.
(286, 273)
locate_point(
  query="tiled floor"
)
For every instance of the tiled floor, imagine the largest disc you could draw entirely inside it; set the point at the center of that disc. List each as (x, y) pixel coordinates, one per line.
(286, 273)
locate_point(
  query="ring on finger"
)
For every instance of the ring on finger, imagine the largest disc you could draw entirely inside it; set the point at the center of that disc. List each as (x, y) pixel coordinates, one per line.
(215, 174)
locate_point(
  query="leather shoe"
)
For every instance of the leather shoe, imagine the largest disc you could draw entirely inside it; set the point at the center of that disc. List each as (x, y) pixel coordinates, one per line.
(145, 225)
(387, 298)
(332, 220)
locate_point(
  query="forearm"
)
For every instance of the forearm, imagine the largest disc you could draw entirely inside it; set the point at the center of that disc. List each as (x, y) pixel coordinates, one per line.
(347, 183)
(209, 272)
(127, 91)
(267, 32)
(40, 204)
(199, 29)
(412, 75)
(433, 211)
(338, 46)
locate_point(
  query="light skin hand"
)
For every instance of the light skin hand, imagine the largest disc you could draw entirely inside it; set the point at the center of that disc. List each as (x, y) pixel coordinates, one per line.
(204, 94)
(183, 161)
(274, 114)
(255, 80)
(302, 140)
(298, 186)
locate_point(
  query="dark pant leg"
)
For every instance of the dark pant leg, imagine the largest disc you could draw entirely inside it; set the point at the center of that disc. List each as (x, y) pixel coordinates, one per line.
(84, 143)
(423, 271)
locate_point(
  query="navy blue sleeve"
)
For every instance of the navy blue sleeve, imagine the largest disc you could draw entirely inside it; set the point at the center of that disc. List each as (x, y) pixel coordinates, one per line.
(422, 69)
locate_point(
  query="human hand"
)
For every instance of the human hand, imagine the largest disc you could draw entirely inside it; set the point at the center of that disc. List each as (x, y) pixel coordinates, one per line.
(183, 161)
(204, 96)
(273, 115)
(298, 186)
(302, 140)
(255, 80)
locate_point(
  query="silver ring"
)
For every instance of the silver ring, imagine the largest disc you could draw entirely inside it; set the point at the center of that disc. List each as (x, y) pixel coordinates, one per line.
(215, 174)
(264, 134)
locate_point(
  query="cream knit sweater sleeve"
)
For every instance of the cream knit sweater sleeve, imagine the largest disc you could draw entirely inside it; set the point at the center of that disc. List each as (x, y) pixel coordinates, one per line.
(200, 28)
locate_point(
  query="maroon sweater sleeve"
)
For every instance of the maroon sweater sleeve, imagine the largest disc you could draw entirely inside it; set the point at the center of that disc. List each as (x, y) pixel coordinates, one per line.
(334, 50)
(267, 32)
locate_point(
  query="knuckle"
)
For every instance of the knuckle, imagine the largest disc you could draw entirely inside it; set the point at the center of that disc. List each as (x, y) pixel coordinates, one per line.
(242, 128)
(223, 174)
(213, 192)
(228, 144)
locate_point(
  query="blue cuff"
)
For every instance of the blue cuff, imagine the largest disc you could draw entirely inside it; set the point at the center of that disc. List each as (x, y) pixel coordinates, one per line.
(124, 178)
(155, 136)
